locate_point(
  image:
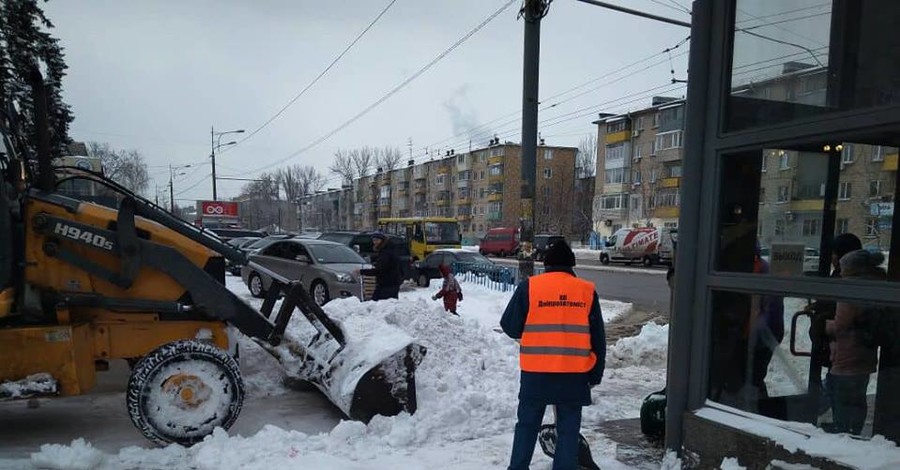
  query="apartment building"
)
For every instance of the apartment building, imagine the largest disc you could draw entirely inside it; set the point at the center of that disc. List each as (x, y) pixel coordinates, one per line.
(639, 157)
(481, 188)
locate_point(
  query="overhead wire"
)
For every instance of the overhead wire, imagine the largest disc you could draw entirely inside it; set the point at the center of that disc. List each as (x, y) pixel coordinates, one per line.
(389, 94)
(317, 78)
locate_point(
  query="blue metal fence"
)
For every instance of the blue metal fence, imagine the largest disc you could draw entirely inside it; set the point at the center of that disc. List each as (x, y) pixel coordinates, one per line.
(492, 276)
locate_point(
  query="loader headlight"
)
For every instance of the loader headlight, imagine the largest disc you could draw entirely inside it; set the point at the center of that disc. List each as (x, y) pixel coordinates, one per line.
(344, 277)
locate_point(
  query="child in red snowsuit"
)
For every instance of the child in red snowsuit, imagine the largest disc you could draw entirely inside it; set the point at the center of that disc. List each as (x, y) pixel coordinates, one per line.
(450, 290)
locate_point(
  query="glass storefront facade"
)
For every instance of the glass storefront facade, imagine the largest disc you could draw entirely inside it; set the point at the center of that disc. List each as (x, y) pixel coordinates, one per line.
(792, 136)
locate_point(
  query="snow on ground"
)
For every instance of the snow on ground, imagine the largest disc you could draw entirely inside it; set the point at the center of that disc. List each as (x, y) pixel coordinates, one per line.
(467, 390)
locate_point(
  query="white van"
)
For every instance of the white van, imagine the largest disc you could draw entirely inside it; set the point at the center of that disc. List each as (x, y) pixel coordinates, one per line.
(646, 245)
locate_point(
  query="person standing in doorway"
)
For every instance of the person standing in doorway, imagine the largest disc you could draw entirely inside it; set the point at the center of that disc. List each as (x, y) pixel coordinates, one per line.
(387, 268)
(557, 319)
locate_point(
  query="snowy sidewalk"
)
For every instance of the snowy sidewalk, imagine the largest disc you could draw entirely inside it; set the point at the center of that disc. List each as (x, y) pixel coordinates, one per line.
(467, 392)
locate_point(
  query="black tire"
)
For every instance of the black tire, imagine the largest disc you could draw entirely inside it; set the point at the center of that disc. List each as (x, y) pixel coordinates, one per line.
(423, 281)
(604, 259)
(647, 261)
(256, 286)
(319, 292)
(502, 254)
(483, 253)
(162, 409)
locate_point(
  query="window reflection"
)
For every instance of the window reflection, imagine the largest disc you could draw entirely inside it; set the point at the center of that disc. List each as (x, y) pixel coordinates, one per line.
(792, 203)
(809, 360)
(802, 58)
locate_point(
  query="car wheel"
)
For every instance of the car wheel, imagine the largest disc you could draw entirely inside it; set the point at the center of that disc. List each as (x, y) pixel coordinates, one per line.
(604, 259)
(320, 293)
(483, 253)
(502, 254)
(647, 262)
(423, 281)
(255, 283)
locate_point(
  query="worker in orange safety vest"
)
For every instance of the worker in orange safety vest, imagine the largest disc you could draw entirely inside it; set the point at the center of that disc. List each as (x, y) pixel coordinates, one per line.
(556, 318)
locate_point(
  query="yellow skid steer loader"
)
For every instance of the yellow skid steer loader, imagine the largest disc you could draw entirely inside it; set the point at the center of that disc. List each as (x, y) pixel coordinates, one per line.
(82, 284)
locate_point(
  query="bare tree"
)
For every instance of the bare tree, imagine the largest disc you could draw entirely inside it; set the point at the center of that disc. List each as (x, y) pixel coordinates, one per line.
(362, 160)
(309, 180)
(555, 209)
(126, 167)
(388, 158)
(586, 163)
(343, 166)
(287, 180)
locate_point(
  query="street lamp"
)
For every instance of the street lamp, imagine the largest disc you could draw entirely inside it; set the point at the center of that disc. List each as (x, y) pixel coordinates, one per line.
(172, 175)
(215, 144)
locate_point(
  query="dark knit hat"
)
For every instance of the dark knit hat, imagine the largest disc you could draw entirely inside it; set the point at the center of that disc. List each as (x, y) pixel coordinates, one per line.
(845, 243)
(559, 254)
(379, 236)
(863, 263)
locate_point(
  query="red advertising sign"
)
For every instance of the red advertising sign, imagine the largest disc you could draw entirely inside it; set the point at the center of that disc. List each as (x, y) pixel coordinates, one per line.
(218, 209)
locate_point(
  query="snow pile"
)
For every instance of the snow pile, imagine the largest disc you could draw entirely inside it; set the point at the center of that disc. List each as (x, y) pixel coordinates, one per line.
(35, 384)
(648, 349)
(79, 455)
(670, 461)
(731, 463)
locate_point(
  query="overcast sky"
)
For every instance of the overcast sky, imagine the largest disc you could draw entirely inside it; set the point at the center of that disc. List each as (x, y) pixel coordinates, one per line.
(155, 76)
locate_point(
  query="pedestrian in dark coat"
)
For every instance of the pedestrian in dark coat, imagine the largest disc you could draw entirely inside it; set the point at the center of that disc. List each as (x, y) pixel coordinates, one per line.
(557, 319)
(450, 291)
(387, 268)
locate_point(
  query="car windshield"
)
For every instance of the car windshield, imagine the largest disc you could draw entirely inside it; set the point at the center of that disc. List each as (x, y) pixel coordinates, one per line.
(442, 233)
(342, 238)
(261, 243)
(473, 258)
(331, 254)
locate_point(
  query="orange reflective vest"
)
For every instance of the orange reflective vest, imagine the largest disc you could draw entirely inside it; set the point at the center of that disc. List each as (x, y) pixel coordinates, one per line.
(557, 335)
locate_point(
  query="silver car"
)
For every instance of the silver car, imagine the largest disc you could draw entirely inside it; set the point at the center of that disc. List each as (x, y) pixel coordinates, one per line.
(326, 268)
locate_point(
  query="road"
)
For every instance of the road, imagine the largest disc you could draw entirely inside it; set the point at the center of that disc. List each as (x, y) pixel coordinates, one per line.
(645, 288)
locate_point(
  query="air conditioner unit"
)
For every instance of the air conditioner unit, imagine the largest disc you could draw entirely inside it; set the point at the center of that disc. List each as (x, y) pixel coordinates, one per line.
(635, 133)
(788, 215)
(636, 158)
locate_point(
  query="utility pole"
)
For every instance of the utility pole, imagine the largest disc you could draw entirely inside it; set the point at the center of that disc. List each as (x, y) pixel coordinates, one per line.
(212, 157)
(532, 13)
(171, 190)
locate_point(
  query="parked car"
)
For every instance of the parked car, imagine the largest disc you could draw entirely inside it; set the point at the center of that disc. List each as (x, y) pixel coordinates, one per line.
(238, 243)
(326, 268)
(470, 262)
(361, 242)
(542, 242)
(645, 245)
(226, 234)
(500, 241)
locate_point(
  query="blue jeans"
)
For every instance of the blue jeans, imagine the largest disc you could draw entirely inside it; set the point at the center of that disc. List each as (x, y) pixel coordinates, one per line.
(848, 402)
(568, 427)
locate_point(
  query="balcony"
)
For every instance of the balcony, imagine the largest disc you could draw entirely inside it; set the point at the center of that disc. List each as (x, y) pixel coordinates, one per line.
(419, 172)
(667, 212)
(442, 202)
(617, 137)
(495, 177)
(495, 197)
(463, 201)
(420, 189)
(462, 183)
(401, 176)
(494, 216)
(464, 217)
(497, 160)
(443, 170)
(815, 205)
(890, 162)
(672, 182)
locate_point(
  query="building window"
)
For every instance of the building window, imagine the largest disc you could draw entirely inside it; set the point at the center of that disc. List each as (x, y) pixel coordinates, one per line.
(496, 170)
(877, 153)
(615, 176)
(615, 152)
(667, 199)
(439, 180)
(764, 164)
(675, 171)
(653, 147)
(637, 150)
(618, 126)
(482, 174)
(461, 159)
(670, 225)
(546, 191)
(636, 176)
(613, 202)
(779, 227)
(548, 154)
(875, 188)
(784, 162)
(639, 123)
(844, 190)
(655, 120)
(668, 140)
(811, 227)
(653, 174)
(783, 194)
(548, 173)
(841, 226)
(847, 154)
(872, 227)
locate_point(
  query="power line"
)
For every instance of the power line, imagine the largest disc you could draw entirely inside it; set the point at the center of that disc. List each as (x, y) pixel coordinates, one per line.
(318, 77)
(679, 9)
(390, 93)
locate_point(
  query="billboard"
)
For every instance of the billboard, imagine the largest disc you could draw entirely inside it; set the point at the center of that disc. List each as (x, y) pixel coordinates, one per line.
(218, 209)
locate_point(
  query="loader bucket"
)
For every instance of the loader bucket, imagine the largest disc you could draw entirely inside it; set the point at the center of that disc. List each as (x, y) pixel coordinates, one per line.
(365, 371)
